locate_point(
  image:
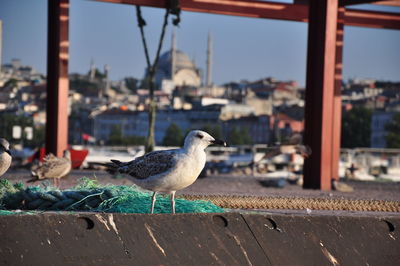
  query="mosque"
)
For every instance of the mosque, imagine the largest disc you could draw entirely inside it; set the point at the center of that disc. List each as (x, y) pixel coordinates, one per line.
(176, 69)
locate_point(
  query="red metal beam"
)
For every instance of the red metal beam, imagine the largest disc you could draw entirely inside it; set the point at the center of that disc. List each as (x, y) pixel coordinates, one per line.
(57, 77)
(273, 10)
(355, 2)
(337, 96)
(372, 19)
(320, 82)
(387, 3)
(243, 8)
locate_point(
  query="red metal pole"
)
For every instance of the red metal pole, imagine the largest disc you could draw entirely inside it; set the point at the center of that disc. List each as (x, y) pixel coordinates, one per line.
(57, 77)
(320, 83)
(337, 97)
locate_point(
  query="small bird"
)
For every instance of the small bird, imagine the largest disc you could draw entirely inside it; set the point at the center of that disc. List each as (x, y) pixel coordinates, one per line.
(169, 170)
(52, 167)
(5, 156)
(291, 147)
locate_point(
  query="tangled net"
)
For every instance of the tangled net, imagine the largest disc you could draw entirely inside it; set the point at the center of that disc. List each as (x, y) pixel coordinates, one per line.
(90, 196)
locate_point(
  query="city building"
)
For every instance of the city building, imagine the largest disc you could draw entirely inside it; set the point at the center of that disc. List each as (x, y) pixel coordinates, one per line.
(378, 131)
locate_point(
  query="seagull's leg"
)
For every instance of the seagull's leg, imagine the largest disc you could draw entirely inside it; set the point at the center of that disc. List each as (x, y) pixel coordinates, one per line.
(173, 201)
(54, 182)
(153, 201)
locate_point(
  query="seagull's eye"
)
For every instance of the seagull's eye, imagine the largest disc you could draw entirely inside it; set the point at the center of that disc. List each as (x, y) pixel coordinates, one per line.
(200, 136)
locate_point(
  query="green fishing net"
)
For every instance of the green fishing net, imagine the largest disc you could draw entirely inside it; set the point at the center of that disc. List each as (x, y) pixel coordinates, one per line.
(89, 195)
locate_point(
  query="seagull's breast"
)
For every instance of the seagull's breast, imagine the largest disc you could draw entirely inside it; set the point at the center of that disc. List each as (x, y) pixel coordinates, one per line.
(5, 162)
(185, 172)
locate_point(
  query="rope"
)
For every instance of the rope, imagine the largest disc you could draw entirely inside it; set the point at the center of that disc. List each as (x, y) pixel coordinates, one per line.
(31, 198)
(253, 202)
(81, 200)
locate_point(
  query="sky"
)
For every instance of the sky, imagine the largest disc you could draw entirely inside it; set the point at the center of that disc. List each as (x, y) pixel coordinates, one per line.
(244, 48)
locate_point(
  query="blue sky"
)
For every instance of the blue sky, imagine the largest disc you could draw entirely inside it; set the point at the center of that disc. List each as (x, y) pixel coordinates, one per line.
(244, 48)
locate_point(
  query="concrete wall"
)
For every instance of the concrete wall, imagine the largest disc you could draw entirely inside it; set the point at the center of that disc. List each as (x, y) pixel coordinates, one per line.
(199, 239)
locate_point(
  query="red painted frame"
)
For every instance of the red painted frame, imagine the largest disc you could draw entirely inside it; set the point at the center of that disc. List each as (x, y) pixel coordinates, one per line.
(324, 67)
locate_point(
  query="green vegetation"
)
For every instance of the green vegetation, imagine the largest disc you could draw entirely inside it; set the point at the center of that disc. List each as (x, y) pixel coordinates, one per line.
(118, 139)
(239, 136)
(215, 131)
(393, 132)
(173, 136)
(84, 86)
(131, 83)
(356, 128)
(11, 83)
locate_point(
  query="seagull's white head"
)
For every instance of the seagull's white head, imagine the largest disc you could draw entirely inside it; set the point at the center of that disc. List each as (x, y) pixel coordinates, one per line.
(201, 139)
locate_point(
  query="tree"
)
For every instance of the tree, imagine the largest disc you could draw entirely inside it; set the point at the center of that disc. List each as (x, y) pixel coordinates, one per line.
(393, 132)
(356, 128)
(239, 136)
(173, 136)
(12, 83)
(117, 138)
(131, 83)
(214, 131)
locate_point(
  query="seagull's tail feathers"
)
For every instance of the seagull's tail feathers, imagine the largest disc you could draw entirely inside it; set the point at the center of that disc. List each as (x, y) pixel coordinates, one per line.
(117, 163)
(34, 179)
(113, 166)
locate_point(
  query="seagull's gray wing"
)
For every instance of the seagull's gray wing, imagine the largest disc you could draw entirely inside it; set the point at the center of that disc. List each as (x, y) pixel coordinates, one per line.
(152, 163)
(49, 157)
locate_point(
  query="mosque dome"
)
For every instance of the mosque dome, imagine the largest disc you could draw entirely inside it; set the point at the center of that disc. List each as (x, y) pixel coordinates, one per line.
(182, 61)
(186, 72)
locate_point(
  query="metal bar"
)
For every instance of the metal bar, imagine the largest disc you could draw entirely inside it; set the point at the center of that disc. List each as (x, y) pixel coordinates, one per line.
(337, 97)
(319, 92)
(244, 8)
(273, 10)
(388, 3)
(372, 19)
(356, 2)
(57, 77)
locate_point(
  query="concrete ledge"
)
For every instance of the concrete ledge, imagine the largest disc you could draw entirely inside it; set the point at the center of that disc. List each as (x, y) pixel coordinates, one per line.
(199, 239)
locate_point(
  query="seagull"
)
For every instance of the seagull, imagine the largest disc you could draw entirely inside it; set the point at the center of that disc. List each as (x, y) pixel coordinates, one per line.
(169, 170)
(5, 156)
(52, 167)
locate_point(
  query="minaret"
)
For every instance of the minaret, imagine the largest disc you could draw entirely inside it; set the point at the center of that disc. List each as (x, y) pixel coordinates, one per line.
(173, 53)
(92, 70)
(107, 80)
(209, 61)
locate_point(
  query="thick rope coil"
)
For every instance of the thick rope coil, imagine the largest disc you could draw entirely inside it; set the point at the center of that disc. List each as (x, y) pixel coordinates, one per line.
(291, 203)
(30, 199)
